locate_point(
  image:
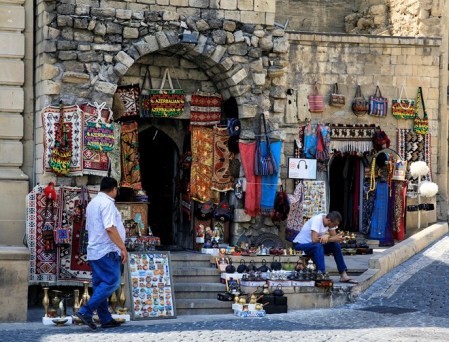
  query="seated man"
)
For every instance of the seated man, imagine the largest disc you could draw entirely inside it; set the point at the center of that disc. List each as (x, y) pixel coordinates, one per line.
(319, 236)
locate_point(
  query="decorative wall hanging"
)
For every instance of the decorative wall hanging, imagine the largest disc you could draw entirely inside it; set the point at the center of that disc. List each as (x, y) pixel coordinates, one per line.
(378, 105)
(99, 134)
(221, 177)
(420, 126)
(315, 100)
(130, 156)
(42, 267)
(352, 138)
(95, 162)
(403, 108)
(414, 147)
(73, 267)
(336, 99)
(360, 105)
(167, 102)
(73, 124)
(205, 108)
(202, 163)
(128, 95)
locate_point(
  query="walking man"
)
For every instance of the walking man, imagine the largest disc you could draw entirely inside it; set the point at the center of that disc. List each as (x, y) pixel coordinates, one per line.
(105, 251)
(319, 236)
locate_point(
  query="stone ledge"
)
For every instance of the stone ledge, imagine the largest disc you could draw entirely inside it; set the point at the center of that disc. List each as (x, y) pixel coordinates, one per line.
(14, 253)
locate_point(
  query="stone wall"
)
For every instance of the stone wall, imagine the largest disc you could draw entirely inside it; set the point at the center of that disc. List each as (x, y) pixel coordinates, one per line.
(13, 182)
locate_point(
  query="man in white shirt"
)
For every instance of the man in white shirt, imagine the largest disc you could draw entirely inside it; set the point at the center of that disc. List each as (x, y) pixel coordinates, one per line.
(105, 250)
(318, 237)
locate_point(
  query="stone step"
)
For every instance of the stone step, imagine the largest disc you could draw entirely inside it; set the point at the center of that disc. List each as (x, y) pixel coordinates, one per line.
(198, 290)
(189, 259)
(202, 307)
(195, 275)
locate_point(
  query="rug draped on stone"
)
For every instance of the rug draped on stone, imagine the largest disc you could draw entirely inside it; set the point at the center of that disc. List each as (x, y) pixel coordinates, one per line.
(221, 178)
(74, 126)
(94, 162)
(130, 156)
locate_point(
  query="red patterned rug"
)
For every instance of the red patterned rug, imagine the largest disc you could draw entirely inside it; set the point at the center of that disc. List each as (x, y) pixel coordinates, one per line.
(42, 267)
(73, 267)
(221, 178)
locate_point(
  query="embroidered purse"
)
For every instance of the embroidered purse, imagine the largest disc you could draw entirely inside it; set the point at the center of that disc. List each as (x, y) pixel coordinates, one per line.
(420, 126)
(167, 102)
(264, 164)
(403, 108)
(336, 99)
(378, 105)
(99, 135)
(316, 101)
(360, 105)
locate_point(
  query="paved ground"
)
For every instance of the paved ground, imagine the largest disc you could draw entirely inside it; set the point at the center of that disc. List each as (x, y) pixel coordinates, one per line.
(408, 304)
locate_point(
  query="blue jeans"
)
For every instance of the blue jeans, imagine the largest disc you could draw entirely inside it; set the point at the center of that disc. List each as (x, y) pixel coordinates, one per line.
(317, 251)
(105, 280)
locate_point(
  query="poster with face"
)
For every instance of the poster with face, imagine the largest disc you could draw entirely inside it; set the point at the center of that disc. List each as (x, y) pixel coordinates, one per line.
(151, 286)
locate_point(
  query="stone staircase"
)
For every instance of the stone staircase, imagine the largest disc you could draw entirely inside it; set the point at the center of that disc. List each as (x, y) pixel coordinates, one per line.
(196, 285)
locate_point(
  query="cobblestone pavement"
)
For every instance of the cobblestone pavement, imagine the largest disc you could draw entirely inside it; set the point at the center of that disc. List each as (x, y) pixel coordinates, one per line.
(410, 303)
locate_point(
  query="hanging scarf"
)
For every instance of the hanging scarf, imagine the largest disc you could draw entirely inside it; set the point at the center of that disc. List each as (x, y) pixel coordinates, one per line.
(323, 142)
(253, 182)
(269, 183)
(310, 141)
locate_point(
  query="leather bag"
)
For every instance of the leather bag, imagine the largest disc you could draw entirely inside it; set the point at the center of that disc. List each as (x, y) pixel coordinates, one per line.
(360, 105)
(336, 99)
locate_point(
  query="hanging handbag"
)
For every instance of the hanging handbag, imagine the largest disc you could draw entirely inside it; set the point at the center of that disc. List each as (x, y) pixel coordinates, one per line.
(378, 105)
(420, 126)
(264, 164)
(145, 97)
(281, 206)
(224, 212)
(167, 102)
(205, 210)
(403, 108)
(336, 99)
(360, 105)
(61, 153)
(315, 100)
(99, 135)
(128, 95)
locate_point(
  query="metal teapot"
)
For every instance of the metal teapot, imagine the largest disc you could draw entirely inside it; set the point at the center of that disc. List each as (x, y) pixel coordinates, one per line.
(266, 289)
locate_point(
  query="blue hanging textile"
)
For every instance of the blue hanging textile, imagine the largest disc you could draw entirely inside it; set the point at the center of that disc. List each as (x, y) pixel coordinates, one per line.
(380, 212)
(269, 183)
(310, 141)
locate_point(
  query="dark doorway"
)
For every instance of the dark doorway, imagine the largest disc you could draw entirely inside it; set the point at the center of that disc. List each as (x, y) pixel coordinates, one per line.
(159, 166)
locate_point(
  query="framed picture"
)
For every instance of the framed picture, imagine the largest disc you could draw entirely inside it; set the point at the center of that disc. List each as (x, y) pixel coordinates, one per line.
(299, 168)
(150, 285)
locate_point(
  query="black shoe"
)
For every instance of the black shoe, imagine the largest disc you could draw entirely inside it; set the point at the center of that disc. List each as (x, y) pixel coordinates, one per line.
(111, 324)
(86, 320)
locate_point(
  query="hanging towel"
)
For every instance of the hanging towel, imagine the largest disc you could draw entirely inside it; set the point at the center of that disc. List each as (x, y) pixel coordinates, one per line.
(310, 140)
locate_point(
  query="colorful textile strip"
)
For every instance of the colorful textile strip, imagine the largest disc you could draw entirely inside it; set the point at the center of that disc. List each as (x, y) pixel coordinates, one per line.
(73, 267)
(130, 156)
(42, 268)
(253, 182)
(115, 158)
(352, 138)
(74, 126)
(205, 109)
(400, 200)
(414, 147)
(221, 178)
(202, 164)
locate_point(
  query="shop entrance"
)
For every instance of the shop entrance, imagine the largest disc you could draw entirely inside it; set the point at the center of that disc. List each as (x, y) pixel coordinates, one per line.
(159, 169)
(346, 178)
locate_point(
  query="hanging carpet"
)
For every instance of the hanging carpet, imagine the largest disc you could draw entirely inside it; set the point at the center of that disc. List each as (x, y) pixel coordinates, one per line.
(94, 162)
(352, 138)
(205, 108)
(130, 156)
(202, 163)
(73, 267)
(414, 147)
(74, 126)
(42, 267)
(221, 177)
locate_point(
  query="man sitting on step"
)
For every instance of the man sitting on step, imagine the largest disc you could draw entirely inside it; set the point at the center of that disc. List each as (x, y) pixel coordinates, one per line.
(319, 236)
